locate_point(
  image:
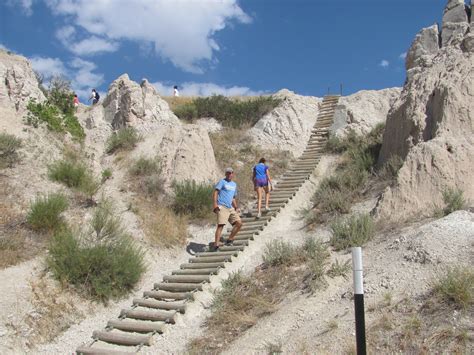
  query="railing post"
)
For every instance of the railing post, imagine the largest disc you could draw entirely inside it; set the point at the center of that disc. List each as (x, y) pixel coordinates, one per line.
(359, 300)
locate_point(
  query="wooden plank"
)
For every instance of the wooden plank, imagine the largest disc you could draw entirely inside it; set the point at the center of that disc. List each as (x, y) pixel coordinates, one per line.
(137, 326)
(161, 316)
(197, 265)
(165, 295)
(168, 306)
(122, 338)
(208, 271)
(178, 287)
(87, 350)
(217, 253)
(186, 278)
(210, 259)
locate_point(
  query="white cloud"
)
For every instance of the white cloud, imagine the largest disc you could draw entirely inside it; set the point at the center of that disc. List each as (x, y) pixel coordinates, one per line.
(384, 63)
(204, 89)
(25, 5)
(402, 56)
(3, 47)
(67, 35)
(79, 71)
(181, 31)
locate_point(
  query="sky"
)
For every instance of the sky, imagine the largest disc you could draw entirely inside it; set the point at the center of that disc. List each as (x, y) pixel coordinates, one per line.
(229, 47)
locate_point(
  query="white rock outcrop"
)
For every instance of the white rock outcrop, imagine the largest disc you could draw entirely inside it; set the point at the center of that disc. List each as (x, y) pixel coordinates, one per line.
(431, 127)
(362, 111)
(130, 104)
(289, 125)
(19, 84)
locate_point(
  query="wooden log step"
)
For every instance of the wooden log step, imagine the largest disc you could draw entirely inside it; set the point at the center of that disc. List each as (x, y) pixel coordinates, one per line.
(137, 326)
(208, 271)
(87, 350)
(186, 278)
(152, 303)
(197, 265)
(232, 248)
(216, 253)
(244, 236)
(141, 314)
(122, 338)
(165, 295)
(178, 287)
(210, 259)
(248, 219)
(250, 227)
(241, 242)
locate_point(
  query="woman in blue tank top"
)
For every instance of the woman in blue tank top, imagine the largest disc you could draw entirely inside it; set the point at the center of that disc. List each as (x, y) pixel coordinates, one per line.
(262, 181)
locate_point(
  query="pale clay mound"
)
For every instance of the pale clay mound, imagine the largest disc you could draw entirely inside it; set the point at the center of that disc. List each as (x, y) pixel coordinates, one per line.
(431, 125)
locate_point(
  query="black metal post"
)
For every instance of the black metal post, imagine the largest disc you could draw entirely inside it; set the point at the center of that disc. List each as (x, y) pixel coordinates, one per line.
(359, 300)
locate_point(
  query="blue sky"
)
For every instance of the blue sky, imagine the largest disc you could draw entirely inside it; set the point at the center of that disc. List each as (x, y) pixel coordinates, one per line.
(236, 47)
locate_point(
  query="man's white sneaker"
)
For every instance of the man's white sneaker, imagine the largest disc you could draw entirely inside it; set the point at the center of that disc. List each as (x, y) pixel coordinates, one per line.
(259, 214)
(267, 209)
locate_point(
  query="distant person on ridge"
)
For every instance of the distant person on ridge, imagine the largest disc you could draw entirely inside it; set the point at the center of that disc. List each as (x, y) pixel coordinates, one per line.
(175, 91)
(75, 101)
(262, 181)
(94, 97)
(225, 206)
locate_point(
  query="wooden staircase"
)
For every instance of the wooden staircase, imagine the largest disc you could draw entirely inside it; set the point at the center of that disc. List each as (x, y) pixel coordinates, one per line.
(149, 315)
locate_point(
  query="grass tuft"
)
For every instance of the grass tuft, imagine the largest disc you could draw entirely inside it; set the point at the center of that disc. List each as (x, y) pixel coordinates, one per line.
(103, 263)
(192, 198)
(45, 212)
(123, 139)
(350, 232)
(9, 144)
(456, 287)
(164, 228)
(145, 166)
(453, 200)
(279, 252)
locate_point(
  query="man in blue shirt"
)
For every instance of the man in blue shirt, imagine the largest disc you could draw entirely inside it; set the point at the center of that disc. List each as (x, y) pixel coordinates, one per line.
(225, 206)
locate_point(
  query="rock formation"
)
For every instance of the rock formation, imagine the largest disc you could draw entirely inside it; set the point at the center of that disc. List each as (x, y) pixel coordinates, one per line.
(288, 126)
(431, 125)
(363, 110)
(19, 84)
(130, 104)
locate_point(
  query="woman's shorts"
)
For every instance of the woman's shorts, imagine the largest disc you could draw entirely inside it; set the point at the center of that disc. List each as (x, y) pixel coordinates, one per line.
(261, 182)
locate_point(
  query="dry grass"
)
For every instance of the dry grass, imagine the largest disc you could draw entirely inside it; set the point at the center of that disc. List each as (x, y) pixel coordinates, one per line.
(231, 145)
(162, 226)
(17, 242)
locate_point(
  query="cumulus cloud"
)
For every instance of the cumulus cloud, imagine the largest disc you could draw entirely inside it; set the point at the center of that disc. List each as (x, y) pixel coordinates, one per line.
(67, 35)
(204, 89)
(79, 71)
(180, 31)
(25, 5)
(384, 63)
(403, 56)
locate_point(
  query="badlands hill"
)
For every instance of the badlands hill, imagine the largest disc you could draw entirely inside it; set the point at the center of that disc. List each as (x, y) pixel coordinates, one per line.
(429, 129)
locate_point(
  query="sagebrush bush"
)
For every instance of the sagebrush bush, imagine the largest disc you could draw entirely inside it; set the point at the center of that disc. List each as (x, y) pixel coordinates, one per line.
(145, 166)
(45, 212)
(73, 173)
(279, 252)
(123, 139)
(230, 112)
(57, 112)
(192, 198)
(456, 287)
(453, 200)
(103, 263)
(9, 144)
(353, 231)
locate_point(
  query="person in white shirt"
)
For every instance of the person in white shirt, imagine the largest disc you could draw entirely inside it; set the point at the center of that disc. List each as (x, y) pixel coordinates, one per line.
(175, 91)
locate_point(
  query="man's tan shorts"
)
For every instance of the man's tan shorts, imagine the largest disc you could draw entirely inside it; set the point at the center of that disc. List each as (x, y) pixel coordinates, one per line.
(227, 214)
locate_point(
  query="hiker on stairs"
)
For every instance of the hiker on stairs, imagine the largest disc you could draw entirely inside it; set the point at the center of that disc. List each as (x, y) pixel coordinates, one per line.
(262, 181)
(225, 206)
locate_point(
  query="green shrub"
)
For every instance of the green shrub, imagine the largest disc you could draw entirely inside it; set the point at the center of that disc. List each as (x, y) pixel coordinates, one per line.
(453, 200)
(8, 150)
(106, 174)
(123, 139)
(456, 287)
(192, 198)
(278, 252)
(104, 263)
(231, 113)
(353, 231)
(389, 170)
(337, 269)
(57, 112)
(153, 185)
(74, 174)
(145, 166)
(45, 212)
(315, 249)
